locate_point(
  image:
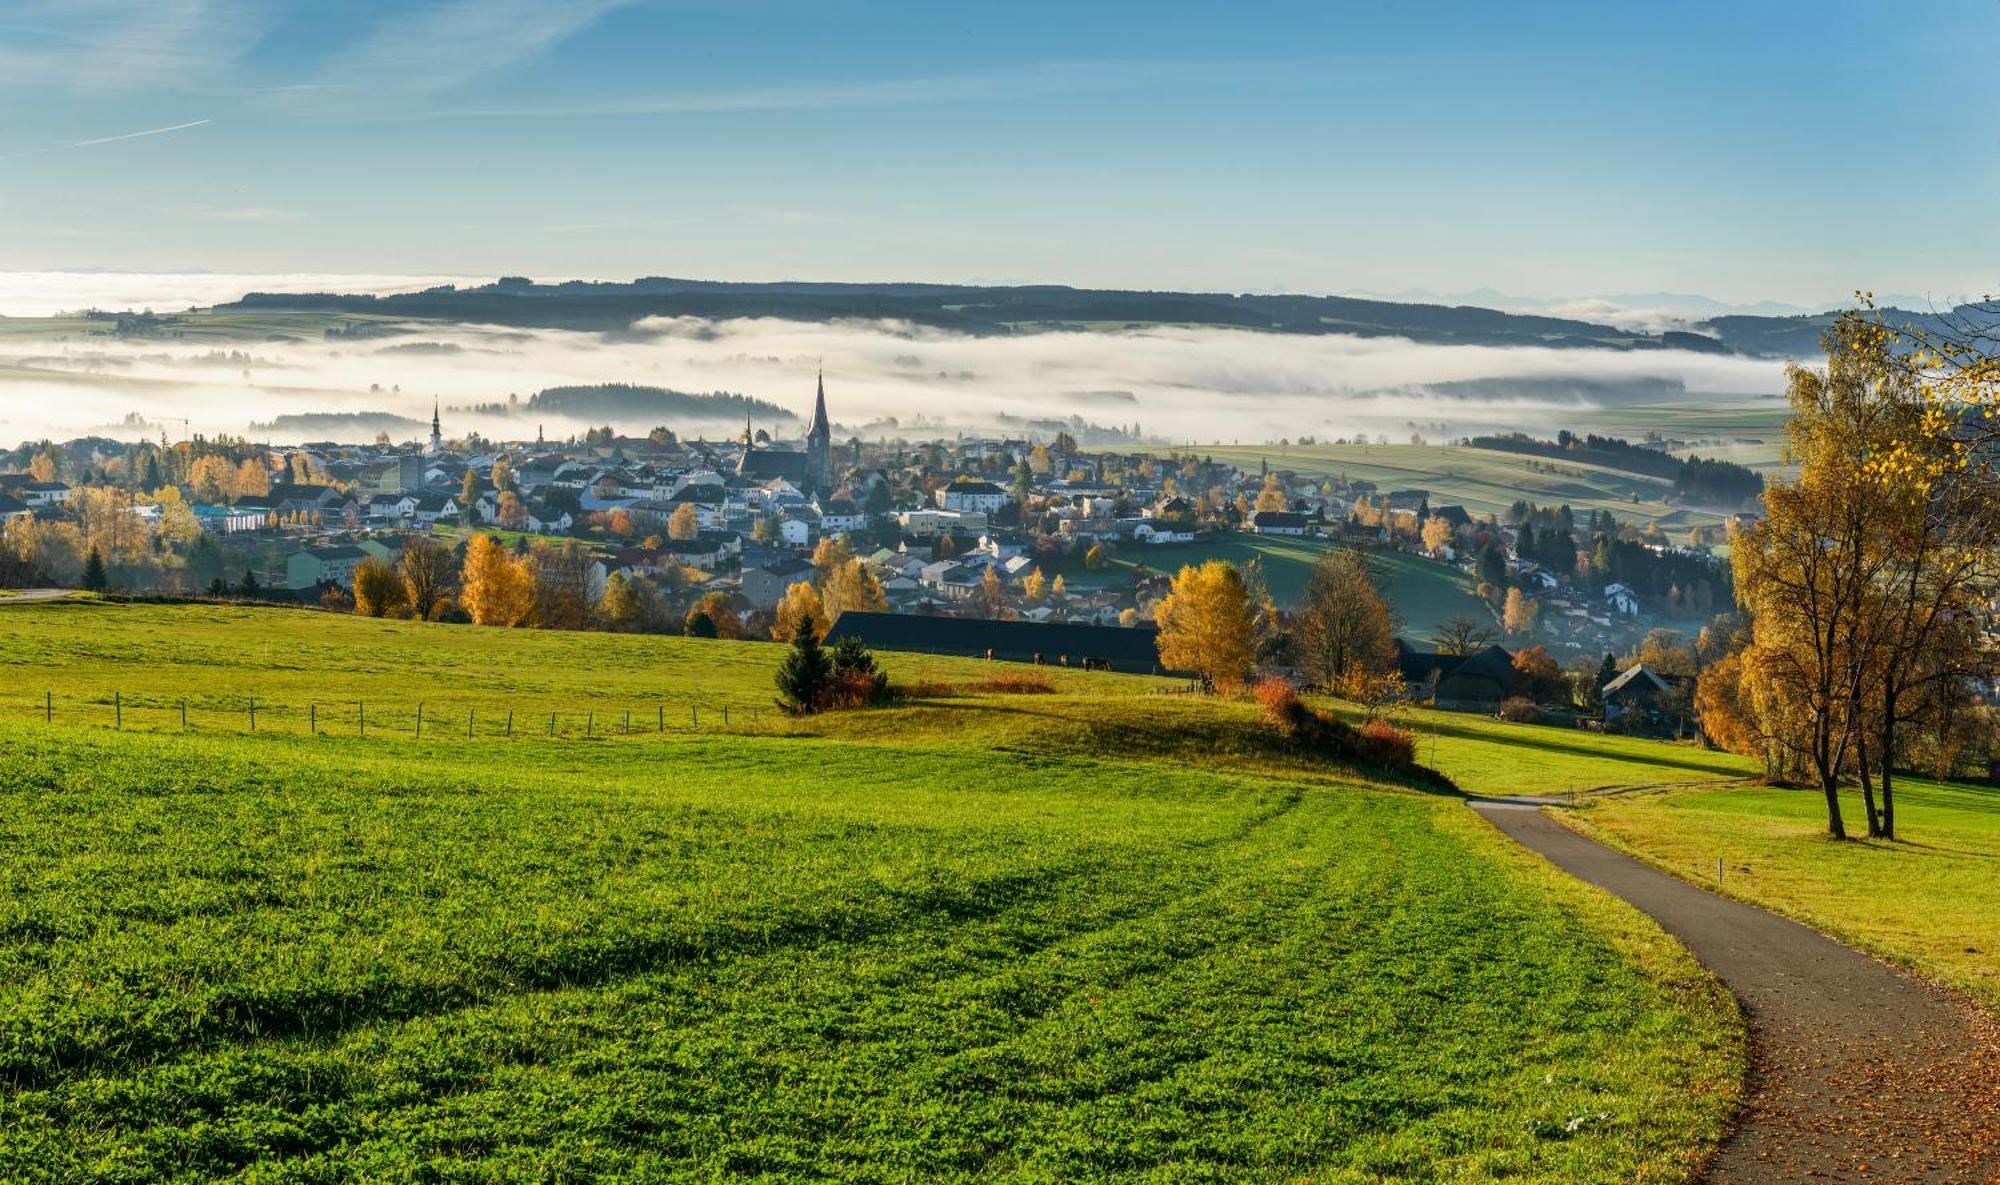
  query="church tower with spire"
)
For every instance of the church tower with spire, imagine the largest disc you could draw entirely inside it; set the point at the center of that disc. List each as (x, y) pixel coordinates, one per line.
(437, 434)
(819, 446)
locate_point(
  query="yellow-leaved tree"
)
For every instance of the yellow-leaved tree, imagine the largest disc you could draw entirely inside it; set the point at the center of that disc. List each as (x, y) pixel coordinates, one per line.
(799, 607)
(1205, 624)
(377, 590)
(498, 588)
(1437, 534)
(853, 588)
(683, 523)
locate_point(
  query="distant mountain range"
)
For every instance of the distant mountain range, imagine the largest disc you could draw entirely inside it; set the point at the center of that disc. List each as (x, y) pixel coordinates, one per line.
(978, 309)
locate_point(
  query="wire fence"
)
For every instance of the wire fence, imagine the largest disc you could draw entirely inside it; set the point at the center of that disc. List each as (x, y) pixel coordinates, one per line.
(408, 720)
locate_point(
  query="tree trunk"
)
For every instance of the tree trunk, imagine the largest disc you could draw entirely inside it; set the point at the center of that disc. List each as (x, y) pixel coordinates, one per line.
(1834, 826)
(1888, 763)
(1868, 792)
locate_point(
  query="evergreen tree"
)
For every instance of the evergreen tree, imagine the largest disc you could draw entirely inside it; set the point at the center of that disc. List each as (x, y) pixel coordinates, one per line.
(806, 674)
(249, 587)
(94, 577)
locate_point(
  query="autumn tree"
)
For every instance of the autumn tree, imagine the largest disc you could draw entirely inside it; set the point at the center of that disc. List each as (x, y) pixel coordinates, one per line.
(560, 573)
(1342, 622)
(1538, 678)
(1034, 587)
(853, 588)
(713, 616)
(1272, 496)
(683, 523)
(1520, 614)
(831, 554)
(378, 592)
(621, 608)
(253, 480)
(1205, 624)
(428, 573)
(498, 588)
(991, 596)
(1437, 534)
(1808, 570)
(800, 608)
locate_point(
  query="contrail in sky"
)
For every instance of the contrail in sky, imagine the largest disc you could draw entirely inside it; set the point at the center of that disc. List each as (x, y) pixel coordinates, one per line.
(135, 135)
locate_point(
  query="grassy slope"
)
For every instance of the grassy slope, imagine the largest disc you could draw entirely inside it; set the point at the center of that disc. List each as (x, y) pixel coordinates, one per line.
(1423, 592)
(1931, 901)
(952, 940)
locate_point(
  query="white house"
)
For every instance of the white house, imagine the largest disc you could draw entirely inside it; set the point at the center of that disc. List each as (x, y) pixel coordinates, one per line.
(1621, 599)
(973, 494)
(1157, 532)
(1279, 522)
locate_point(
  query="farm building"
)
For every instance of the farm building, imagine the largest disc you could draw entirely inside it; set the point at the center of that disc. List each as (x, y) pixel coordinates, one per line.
(1133, 650)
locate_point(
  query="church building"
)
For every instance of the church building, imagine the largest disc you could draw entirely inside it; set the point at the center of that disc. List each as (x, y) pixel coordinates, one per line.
(810, 470)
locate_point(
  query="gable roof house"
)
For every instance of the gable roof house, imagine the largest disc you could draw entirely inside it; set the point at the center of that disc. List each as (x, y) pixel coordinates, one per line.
(1475, 682)
(1637, 689)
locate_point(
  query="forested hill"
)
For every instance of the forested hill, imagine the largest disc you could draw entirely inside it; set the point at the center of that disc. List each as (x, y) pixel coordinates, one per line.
(594, 305)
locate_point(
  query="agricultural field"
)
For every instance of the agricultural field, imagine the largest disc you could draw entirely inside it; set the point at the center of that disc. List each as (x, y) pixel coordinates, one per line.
(1484, 481)
(1930, 901)
(1099, 933)
(1421, 592)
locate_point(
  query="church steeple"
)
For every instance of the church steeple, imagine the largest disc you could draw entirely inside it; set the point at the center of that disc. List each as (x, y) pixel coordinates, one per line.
(820, 428)
(819, 445)
(437, 434)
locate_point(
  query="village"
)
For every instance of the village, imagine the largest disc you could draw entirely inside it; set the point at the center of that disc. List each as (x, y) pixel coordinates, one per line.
(1001, 535)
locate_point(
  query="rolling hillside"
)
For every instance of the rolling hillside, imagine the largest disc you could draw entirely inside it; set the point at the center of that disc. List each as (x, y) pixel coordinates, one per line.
(1095, 934)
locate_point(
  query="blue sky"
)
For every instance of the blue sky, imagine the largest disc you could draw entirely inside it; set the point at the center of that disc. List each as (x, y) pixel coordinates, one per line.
(1747, 150)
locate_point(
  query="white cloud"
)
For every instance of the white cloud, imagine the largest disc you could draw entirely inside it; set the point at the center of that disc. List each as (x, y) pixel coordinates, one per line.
(445, 45)
(127, 44)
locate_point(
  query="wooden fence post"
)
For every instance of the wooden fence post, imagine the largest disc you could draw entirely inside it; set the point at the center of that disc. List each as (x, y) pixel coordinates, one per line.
(725, 715)
(552, 724)
(361, 715)
(312, 719)
(662, 709)
(48, 707)
(589, 721)
(628, 724)
(468, 723)
(184, 715)
(510, 722)
(253, 713)
(420, 720)
(117, 709)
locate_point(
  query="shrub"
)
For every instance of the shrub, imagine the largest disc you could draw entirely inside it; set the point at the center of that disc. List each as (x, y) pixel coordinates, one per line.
(1279, 699)
(1519, 709)
(1384, 744)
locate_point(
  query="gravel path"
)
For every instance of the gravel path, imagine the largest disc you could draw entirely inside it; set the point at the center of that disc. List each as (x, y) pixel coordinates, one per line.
(1859, 1073)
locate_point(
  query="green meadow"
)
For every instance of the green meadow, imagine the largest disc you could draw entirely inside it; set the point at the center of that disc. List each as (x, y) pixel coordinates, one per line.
(1098, 934)
(1930, 900)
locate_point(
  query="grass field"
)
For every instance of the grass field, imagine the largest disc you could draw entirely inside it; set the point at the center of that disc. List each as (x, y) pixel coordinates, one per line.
(1098, 934)
(1482, 480)
(1420, 591)
(1930, 901)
